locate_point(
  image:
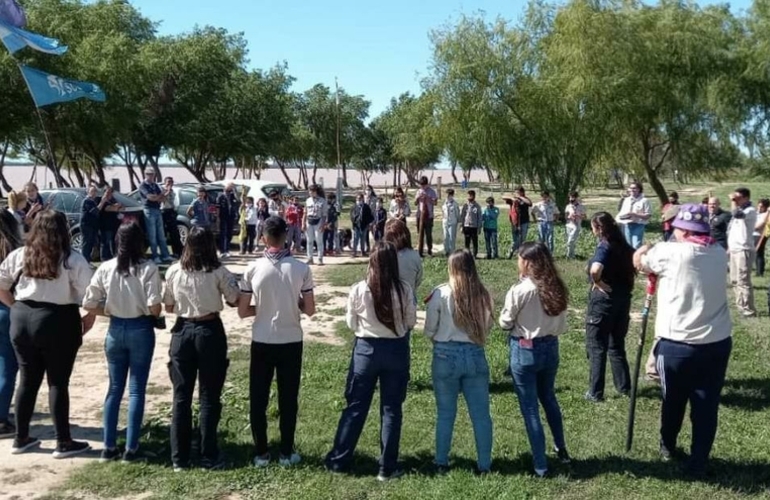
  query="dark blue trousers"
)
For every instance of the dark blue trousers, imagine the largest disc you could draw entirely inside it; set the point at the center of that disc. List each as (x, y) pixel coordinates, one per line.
(694, 373)
(386, 360)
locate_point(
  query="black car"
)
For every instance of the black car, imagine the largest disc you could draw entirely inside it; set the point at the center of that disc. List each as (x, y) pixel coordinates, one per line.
(70, 200)
(187, 193)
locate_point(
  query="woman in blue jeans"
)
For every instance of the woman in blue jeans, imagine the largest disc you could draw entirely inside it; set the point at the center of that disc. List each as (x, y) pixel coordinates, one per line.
(10, 240)
(381, 311)
(128, 290)
(534, 315)
(458, 320)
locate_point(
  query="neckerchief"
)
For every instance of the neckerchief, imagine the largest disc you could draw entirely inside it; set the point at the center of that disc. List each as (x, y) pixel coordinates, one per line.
(702, 240)
(274, 255)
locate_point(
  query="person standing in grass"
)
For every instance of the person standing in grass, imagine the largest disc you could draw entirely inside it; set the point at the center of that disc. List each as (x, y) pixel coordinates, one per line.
(740, 244)
(275, 291)
(361, 218)
(451, 214)
(426, 201)
(399, 206)
(612, 276)
(519, 207)
(534, 315)
(546, 212)
(409, 261)
(48, 280)
(489, 220)
(574, 213)
(693, 328)
(194, 290)
(313, 222)
(381, 311)
(760, 240)
(127, 289)
(470, 215)
(10, 240)
(457, 321)
(380, 217)
(331, 244)
(634, 214)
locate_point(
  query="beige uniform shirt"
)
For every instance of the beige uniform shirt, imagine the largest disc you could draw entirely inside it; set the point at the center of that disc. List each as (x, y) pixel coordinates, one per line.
(68, 288)
(523, 314)
(198, 293)
(362, 319)
(124, 296)
(439, 317)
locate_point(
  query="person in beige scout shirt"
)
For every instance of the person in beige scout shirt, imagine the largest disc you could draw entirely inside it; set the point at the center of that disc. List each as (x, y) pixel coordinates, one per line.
(194, 290)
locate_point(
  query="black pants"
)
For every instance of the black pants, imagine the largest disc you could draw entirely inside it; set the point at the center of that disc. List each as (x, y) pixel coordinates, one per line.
(472, 238)
(226, 228)
(251, 235)
(607, 321)
(46, 338)
(198, 350)
(761, 258)
(285, 362)
(694, 373)
(425, 228)
(172, 231)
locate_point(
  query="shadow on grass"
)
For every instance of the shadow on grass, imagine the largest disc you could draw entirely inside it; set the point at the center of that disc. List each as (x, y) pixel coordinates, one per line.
(752, 394)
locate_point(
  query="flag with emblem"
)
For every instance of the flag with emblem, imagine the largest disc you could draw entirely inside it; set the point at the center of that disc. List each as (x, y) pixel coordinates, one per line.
(49, 89)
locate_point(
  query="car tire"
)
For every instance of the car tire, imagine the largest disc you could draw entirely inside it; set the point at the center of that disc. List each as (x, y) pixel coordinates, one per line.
(76, 241)
(183, 232)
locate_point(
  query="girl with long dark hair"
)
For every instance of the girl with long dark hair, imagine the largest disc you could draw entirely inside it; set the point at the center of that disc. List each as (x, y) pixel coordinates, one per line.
(194, 290)
(10, 240)
(381, 311)
(612, 275)
(46, 328)
(127, 289)
(458, 320)
(534, 315)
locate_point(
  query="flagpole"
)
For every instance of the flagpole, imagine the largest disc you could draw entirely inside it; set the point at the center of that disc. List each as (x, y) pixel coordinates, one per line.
(339, 155)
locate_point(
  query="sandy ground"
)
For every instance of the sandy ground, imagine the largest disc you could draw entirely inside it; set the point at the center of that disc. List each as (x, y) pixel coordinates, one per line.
(36, 473)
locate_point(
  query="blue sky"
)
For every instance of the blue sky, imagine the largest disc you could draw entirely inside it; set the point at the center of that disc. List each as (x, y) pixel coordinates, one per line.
(377, 48)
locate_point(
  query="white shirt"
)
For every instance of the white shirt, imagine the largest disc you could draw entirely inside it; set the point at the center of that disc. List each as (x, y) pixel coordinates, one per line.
(403, 208)
(171, 202)
(631, 205)
(124, 296)
(544, 211)
(68, 288)
(199, 293)
(523, 314)
(692, 292)
(439, 317)
(315, 208)
(362, 319)
(451, 212)
(277, 287)
(251, 215)
(577, 211)
(740, 232)
(276, 208)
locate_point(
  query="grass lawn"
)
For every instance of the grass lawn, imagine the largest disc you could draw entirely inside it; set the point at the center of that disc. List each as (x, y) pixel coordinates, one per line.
(595, 433)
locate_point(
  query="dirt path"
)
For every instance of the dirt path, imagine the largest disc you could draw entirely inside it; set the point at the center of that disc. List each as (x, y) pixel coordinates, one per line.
(35, 474)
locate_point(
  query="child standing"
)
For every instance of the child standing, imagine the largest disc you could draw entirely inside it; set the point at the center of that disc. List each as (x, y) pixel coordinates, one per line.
(471, 218)
(331, 246)
(575, 213)
(451, 213)
(545, 212)
(250, 216)
(293, 215)
(263, 213)
(489, 220)
(534, 315)
(380, 217)
(361, 216)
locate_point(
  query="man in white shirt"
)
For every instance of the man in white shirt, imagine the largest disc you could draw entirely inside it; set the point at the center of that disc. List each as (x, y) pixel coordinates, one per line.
(275, 290)
(634, 215)
(740, 242)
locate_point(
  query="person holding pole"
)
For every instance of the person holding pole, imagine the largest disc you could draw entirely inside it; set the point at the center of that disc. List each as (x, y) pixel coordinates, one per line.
(693, 329)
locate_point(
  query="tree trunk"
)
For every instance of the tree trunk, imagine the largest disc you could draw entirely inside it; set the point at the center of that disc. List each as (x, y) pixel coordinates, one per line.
(344, 175)
(3, 181)
(282, 166)
(395, 179)
(454, 172)
(652, 170)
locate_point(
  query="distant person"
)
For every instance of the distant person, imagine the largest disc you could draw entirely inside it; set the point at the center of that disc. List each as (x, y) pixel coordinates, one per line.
(331, 242)
(740, 242)
(634, 215)
(275, 291)
(545, 212)
(263, 213)
(458, 319)
(199, 212)
(313, 224)
(370, 199)
(276, 204)
(169, 211)
(470, 215)
(719, 220)
(451, 213)
(361, 218)
(228, 205)
(127, 289)
(426, 200)
(90, 218)
(381, 311)
(10, 240)
(194, 291)
(47, 330)
(760, 240)
(574, 213)
(152, 197)
(519, 207)
(249, 214)
(489, 221)
(293, 214)
(399, 206)
(534, 315)
(673, 200)
(109, 222)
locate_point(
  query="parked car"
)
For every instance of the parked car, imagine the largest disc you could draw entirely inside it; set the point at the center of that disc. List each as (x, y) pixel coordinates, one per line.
(257, 189)
(70, 200)
(186, 194)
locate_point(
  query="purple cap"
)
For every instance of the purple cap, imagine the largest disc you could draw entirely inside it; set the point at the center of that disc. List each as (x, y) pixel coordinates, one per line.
(693, 218)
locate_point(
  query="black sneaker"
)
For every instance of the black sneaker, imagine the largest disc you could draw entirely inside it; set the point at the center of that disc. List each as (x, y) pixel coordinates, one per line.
(389, 476)
(130, 457)
(70, 449)
(108, 455)
(213, 464)
(563, 455)
(23, 445)
(7, 430)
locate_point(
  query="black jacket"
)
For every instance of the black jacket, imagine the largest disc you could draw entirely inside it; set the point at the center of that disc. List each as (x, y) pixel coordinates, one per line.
(719, 223)
(229, 206)
(361, 216)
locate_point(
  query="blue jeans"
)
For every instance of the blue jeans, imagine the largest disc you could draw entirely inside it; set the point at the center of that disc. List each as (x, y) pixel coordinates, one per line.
(634, 234)
(108, 244)
(359, 241)
(315, 234)
(386, 360)
(490, 241)
(519, 236)
(129, 347)
(450, 237)
(462, 367)
(545, 234)
(534, 374)
(8, 364)
(156, 233)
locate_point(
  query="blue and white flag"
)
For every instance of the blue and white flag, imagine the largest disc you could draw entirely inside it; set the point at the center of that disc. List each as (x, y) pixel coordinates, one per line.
(49, 89)
(12, 13)
(16, 39)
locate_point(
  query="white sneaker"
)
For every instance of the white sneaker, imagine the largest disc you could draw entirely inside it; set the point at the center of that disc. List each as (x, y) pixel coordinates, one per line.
(294, 459)
(262, 460)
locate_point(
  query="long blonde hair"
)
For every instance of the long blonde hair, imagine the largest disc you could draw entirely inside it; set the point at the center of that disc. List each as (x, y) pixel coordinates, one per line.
(472, 302)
